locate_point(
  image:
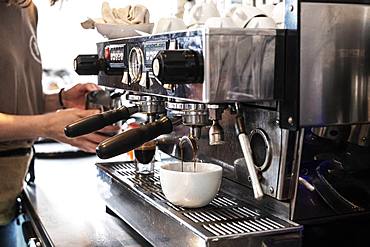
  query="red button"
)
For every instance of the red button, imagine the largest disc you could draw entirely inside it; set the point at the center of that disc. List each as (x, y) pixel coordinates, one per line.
(107, 53)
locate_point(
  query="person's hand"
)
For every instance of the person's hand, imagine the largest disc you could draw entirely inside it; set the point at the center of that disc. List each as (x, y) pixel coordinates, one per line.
(75, 97)
(55, 122)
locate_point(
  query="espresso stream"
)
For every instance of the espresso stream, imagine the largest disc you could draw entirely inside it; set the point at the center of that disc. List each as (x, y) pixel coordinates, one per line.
(194, 158)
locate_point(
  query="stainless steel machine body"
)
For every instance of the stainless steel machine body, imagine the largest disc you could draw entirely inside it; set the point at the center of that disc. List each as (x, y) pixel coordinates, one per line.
(230, 57)
(334, 64)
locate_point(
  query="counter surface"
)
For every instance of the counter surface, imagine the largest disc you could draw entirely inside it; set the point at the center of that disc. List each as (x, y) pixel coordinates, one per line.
(66, 200)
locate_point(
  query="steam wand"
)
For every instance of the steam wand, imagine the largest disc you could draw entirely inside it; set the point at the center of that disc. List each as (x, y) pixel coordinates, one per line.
(247, 152)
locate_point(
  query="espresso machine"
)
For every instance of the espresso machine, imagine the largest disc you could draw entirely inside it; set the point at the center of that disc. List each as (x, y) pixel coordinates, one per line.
(285, 113)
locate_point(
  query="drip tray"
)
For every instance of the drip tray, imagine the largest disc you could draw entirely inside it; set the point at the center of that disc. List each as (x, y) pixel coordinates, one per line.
(140, 201)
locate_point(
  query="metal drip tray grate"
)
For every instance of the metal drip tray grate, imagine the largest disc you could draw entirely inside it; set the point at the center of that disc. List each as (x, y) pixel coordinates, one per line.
(224, 217)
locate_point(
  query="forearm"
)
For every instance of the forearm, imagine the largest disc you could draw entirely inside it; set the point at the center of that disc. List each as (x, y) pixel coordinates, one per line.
(13, 127)
(72, 98)
(52, 102)
(51, 125)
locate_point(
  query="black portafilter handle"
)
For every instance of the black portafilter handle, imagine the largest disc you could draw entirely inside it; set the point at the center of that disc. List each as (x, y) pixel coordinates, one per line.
(98, 121)
(133, 138)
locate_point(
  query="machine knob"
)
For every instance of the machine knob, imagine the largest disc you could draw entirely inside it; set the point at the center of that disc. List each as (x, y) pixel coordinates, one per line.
(178, 67)
(87, 64)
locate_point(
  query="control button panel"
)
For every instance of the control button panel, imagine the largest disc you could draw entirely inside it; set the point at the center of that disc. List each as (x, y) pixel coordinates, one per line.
(151, 49)
(115, 56)
(117, 53)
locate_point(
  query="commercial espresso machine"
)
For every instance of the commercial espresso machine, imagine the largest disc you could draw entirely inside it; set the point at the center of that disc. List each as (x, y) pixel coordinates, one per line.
(285, 112)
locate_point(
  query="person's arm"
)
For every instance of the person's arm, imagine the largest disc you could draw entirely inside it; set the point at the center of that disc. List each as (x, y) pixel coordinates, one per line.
(71, 98)
(51, 102)
(51, 125)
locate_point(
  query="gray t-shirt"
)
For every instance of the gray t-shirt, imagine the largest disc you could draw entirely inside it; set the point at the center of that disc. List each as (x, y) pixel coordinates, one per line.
(20, 65)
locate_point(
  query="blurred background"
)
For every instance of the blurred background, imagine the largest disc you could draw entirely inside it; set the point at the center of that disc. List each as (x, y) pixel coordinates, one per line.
(61, 37)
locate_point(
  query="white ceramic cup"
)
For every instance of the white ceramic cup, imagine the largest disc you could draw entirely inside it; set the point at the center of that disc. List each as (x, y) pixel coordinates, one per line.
(261, 22)
(241, 15)
(220, 22)
(267, 9)
(201, 12)
(168, 25)
(278, 13)
(190, 189)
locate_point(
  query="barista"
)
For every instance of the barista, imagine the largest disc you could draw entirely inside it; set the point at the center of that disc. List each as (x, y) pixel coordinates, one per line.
(25, 113)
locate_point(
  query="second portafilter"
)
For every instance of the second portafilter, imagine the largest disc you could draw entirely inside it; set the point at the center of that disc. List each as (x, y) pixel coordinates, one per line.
(133, 138)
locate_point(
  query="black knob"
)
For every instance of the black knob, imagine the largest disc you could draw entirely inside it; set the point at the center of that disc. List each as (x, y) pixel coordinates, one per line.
(178, 66)
(87, 64)
(98, 121)
(133, 138)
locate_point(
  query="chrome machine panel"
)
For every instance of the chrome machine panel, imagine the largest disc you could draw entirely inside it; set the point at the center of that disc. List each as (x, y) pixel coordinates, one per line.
(238, 64)
(334, 64)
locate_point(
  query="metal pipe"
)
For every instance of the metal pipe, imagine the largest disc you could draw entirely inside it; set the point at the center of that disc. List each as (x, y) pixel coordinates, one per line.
(247, 152)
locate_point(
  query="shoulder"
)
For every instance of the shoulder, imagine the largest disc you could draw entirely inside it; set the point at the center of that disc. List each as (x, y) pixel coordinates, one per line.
(32, 12)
